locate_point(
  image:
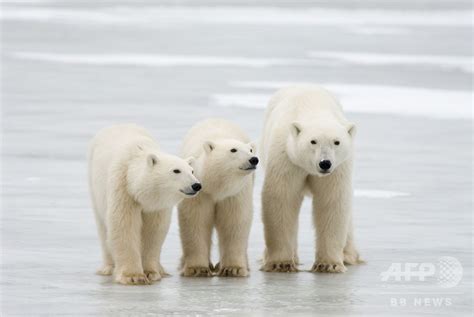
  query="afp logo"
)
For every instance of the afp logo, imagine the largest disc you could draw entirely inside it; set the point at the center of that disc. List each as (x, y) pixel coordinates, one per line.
(447, 271)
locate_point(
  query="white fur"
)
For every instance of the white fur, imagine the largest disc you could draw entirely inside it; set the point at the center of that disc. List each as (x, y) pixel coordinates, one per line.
(133, 190)
(224, 203)
(295, 116)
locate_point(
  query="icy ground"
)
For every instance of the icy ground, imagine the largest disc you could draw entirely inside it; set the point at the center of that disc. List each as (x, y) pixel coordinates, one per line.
(403, 70)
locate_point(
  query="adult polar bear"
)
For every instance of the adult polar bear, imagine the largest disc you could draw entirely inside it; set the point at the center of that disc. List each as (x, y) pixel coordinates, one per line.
(134, 187)
(307, 147)
(225, 161)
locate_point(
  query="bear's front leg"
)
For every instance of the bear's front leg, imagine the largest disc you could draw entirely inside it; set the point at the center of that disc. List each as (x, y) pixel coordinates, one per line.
(196, 220)
(331, 214)
(282, 196)
(155, 228)
(124, 234)
(233, 222)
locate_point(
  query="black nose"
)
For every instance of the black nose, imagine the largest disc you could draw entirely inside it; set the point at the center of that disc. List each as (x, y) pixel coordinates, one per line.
(254, 160)
(196, 187)
(325, 165)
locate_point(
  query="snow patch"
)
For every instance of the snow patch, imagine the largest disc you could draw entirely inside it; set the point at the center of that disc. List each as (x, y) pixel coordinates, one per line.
(463, 63)
(157, 60)
(374, 193)
(149, 16)
(378, 99)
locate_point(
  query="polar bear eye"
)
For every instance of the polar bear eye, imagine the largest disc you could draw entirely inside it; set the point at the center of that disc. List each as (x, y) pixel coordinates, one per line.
(233, 150)
(337, 142)
(313, 142)
(176, 171)
(251, 151)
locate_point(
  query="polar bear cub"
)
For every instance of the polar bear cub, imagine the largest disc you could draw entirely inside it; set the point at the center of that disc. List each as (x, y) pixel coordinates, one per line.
(225, 161)
(134, 187)
(307, 146)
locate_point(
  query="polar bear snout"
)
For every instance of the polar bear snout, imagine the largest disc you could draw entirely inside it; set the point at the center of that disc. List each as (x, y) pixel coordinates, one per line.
(196, 187)
(192, 190)
(253, 161)
(325, 165)
(251, 164)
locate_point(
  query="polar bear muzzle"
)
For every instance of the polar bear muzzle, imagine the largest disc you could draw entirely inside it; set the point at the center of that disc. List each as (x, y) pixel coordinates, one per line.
(193, 190)
(252, 164)
(325, 165)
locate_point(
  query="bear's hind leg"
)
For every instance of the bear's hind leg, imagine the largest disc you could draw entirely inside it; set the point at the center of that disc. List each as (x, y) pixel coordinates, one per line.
(351, 255)
(108, 262)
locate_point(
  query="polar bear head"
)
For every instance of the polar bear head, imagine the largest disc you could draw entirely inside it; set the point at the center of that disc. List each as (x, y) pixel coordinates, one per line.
(157, 180)
(319, 148)
(224, 166)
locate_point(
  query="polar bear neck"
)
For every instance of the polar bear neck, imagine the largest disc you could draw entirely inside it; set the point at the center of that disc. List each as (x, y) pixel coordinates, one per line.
(150, 196)
(220, 184)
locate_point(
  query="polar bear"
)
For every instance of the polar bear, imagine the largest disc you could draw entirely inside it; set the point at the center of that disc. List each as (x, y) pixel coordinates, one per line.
(307, 147)
(134, 187)
(225, 161)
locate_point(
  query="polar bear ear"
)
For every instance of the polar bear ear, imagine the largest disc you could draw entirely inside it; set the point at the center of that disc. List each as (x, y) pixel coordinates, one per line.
(152, 160)
(209, 146)
(351, 129)
(191, 160)
(296, 129)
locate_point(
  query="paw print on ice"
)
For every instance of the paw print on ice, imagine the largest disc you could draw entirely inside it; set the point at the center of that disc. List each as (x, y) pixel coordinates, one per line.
(449, 271)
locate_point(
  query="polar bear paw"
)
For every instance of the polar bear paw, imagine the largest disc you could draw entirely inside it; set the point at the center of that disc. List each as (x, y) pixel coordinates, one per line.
(162, 271)
(352, 258)
(197, 271)
(152, 275)
(283, 267)
(132, 279)
(232, 271)
(327, 267)
(154, 271)
(106, 270)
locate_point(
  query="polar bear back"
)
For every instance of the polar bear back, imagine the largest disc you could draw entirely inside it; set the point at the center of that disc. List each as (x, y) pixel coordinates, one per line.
(210, 130)
(110, 150)
(115, 143)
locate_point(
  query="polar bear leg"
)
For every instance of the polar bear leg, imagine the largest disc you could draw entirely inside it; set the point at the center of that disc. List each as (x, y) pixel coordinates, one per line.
(282, 196)
(108, 262)
(124, 234)
(351, 255)
(155, 227)
(233, 222)
(331, 232)
(331, 214)
(196, 220)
